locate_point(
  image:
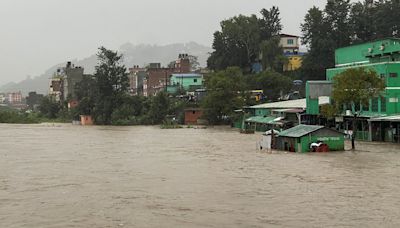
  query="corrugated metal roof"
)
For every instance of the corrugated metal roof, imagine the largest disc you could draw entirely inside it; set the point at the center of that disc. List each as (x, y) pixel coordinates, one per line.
(292, 104)
(261, 119)
(395, 118)
(265, 120)
(289, 110)
(300, 130)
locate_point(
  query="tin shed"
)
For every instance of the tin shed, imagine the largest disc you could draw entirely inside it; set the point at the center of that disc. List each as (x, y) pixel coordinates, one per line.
(299, 138)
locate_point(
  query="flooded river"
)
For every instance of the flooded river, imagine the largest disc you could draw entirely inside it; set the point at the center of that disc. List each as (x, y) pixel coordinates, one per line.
(73, 176)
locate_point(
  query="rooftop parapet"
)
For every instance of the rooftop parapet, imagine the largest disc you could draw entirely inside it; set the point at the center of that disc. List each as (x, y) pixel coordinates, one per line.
(364, 53)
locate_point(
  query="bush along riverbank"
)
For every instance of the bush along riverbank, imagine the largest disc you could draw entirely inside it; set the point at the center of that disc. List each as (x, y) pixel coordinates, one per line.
(17, 117)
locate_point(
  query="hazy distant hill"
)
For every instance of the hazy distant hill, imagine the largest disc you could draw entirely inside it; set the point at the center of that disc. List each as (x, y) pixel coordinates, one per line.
(133, 55)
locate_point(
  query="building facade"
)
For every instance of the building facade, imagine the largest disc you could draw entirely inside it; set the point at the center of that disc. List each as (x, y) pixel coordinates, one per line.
(63, 82)
(182, 64)
(291, 45)
(14, 98)
(187, 82)
(380, 120)
(158, 78)
(136, 77)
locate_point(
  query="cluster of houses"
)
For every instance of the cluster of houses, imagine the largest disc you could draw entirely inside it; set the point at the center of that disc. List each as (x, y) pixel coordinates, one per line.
(379, 121)
(17, 100)
(13, 99)
(177, 79)
(143, 81)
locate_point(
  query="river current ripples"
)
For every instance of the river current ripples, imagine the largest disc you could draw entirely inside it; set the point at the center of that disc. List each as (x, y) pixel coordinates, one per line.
(56, 175)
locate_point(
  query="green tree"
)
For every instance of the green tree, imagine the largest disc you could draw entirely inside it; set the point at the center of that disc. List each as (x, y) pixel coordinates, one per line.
(242, 32)
(128, 112)
(362, 21)
(86, 92)
(354, 87)
(273, 84)
(217, 59)
(159, 108)
(315, 35)
(272, 57)
(323, 32)
(386, 18)
(225, 93)
(194, 63)
(33, 99)
(338, 21)
(112, 85)
(49, 108)
(238, 42)
(270, 23)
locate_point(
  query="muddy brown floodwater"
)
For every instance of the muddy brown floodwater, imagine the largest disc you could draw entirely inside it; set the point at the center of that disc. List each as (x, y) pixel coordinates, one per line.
(54, 175)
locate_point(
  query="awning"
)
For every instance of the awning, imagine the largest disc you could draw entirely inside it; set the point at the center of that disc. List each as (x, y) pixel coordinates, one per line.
(263, 120)
(395, 118)
(288, 110)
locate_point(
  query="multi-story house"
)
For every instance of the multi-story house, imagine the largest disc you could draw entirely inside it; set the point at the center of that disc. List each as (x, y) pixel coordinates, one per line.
(14, 98)
(290, 45)
(136, 77)
(187, 82)
(157, 78)
(63, 82)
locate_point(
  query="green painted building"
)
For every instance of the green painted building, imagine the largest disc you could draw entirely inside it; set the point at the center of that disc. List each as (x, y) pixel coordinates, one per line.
(381, 56)
(187, 82)
(299, 138)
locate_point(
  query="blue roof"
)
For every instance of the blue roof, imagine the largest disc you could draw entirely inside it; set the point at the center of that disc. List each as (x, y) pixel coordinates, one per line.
(189, 75)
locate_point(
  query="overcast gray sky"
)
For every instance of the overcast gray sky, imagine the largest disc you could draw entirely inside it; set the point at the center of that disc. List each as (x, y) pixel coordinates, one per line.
(36, 34)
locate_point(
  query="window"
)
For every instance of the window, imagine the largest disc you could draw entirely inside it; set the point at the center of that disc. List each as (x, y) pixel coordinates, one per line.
(375, 104)
(365, 108)
(194, 80)
(383, 104)
(382, 75)
(357, 106)
(393, 75)
(290, 41)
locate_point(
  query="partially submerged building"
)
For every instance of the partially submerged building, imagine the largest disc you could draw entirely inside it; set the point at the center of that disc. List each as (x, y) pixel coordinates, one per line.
(278, 115)
(300, 138)
(193, 115)
(380, 120)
